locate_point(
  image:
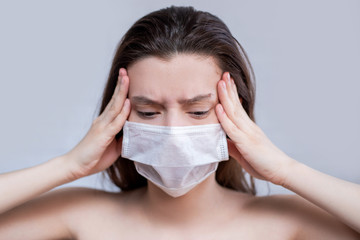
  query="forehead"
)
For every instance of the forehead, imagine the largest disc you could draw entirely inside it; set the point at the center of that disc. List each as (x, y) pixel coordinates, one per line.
(183, 76)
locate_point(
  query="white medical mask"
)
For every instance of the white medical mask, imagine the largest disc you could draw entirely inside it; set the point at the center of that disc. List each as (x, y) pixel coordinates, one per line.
(175, 159)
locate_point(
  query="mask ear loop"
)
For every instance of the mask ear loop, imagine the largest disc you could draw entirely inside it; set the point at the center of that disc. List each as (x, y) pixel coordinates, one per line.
(224, 152)
(125, 142)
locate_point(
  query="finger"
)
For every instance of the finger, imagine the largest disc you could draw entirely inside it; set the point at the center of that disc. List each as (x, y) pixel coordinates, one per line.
(229, 127)
(226, 98)
(116, 90)
(230, 90)
(118, 100)
(229, 107)
(234, 152)
(117, 124)
(229, 98)
(234, 89)
(234, 96)
(238, 100)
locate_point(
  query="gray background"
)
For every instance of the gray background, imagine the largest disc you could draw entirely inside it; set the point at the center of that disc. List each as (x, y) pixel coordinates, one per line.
(55, 57)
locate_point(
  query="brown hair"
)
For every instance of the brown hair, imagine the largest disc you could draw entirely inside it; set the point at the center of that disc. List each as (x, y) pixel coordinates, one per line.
(173, 30)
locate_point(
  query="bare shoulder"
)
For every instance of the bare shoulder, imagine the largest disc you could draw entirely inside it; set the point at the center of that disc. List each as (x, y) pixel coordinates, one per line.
(72, 200)
(309, 220)
(60, 214)
(44, 217)
(78, 195)
(108, 211)
(81, 198)
(82, 205)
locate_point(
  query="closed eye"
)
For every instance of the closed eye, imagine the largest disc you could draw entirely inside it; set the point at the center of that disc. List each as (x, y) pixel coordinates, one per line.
(147, 114)
(199, 114)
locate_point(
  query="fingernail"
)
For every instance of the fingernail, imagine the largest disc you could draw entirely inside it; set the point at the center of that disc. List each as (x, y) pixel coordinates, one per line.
(221, 109)
(228, 77)
(123, 79)
(223, 85)
(127, 103)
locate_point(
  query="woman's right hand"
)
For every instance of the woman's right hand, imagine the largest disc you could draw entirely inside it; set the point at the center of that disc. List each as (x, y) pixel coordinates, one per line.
(99, 149)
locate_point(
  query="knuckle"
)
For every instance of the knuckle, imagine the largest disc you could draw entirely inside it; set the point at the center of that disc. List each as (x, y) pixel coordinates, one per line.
(112, 127)
(256, 138)
(111, 100)
(233, 129)
(114, 98)
(115, 126)
(112, 110)
(237, 114)
(258, 132)
(97, 123)
(232, 110)
(121, 117)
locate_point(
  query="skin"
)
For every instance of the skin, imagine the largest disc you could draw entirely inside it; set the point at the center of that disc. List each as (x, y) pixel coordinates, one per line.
(208, 211)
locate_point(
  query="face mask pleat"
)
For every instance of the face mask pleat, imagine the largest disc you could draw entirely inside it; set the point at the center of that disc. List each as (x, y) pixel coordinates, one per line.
(175, 159)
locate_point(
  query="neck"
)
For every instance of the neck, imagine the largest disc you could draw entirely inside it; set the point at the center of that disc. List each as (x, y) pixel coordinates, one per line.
(200, 202)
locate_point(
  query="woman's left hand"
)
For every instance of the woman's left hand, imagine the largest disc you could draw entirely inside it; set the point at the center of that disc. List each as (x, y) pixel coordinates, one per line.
(249, 145)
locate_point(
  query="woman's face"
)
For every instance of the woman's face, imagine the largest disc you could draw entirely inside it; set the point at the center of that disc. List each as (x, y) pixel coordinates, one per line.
(179, 92)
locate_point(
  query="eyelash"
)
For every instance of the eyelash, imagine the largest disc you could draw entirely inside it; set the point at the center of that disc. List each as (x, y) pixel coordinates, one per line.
(198, 114)
(147, 114)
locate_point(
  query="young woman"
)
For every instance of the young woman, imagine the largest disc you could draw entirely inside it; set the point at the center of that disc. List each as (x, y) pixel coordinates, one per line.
(175, 132)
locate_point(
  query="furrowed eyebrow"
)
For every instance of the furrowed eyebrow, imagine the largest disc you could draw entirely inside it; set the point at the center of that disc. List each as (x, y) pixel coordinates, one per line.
(142, 100)
(196, 99)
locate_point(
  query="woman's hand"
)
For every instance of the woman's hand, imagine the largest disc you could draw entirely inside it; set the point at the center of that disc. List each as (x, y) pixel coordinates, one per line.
(99, 149)
(249, 145)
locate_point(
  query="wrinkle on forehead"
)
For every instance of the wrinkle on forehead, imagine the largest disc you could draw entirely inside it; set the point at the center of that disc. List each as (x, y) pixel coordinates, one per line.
(182, 76)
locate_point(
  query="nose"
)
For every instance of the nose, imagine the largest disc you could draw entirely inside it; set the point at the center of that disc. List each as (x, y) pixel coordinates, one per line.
(174, 117)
